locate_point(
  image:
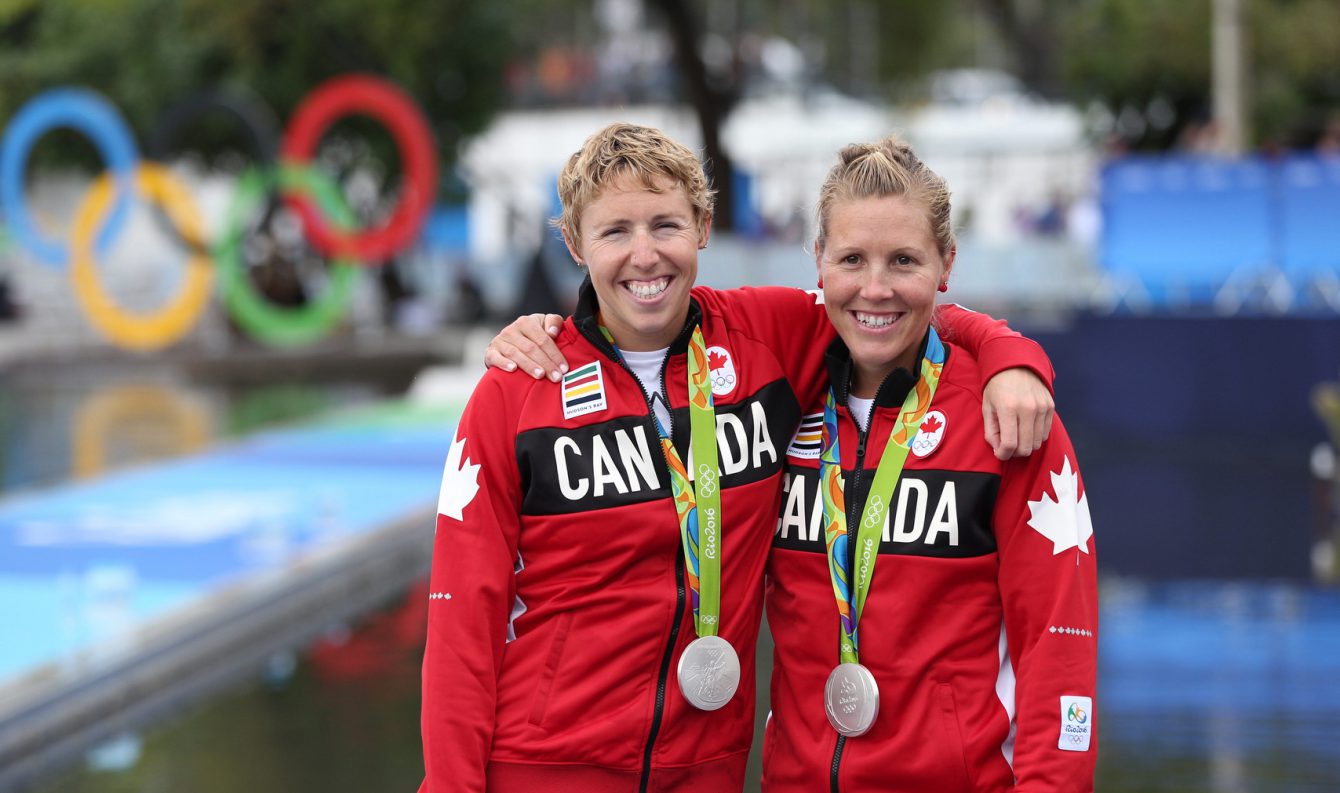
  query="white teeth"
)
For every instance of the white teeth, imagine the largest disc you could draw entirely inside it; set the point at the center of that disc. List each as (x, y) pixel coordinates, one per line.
(874, 320)
(647, 289)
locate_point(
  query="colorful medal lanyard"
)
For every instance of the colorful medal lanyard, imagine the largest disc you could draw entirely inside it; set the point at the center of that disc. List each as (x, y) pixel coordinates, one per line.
(697, 502)
(851, 594)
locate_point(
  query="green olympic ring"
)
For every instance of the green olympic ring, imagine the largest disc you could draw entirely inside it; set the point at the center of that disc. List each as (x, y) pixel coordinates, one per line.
(263, 319)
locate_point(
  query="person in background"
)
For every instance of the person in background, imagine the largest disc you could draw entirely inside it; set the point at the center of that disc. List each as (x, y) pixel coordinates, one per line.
(597, 575)
(934, 608)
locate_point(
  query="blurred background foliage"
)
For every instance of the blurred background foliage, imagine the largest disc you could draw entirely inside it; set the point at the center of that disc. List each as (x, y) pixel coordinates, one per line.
(1145, 65)
(448, 54)
(1153, 58)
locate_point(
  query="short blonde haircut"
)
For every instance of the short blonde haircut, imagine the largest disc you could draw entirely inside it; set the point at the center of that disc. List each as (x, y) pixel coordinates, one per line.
(887, 167)
(621, 149)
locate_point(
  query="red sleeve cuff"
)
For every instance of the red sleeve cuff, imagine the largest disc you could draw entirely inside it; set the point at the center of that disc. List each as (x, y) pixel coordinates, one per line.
(1011, 352)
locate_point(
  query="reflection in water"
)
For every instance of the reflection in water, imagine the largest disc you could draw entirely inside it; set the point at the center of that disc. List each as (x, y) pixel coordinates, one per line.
(346, 719)
(1326, 470)
(136, 422)
(63, 422)
(270, 405)
(1219, 687)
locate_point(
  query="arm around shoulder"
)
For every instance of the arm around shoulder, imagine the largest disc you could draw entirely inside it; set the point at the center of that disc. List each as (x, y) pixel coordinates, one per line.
(789, 321)
(991, 341)
(1016, 379)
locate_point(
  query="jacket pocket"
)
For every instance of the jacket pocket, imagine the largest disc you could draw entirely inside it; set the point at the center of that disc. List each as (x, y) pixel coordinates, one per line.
(550, 671)
(957, 769)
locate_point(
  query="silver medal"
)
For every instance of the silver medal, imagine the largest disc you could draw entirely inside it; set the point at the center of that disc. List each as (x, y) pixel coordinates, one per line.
(709, 672)
(851, 697)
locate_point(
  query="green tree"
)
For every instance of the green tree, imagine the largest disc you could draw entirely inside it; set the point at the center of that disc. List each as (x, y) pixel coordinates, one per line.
(146, 54)
(1149, 52)
(1294, 65)
(1133, 54)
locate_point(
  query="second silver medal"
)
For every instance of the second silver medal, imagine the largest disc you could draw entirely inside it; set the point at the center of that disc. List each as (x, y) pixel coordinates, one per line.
(851, 698)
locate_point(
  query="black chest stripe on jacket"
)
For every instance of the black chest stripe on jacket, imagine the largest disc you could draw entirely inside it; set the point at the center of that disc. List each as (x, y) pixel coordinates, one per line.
(620, 462)
(942, 514)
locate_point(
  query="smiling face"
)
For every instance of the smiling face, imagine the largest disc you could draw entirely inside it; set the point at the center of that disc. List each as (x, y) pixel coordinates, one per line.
(641, 249)
(880, 266)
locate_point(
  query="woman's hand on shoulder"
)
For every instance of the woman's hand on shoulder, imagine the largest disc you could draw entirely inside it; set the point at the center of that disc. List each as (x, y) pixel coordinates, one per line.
(1018, 410)
(528, 345)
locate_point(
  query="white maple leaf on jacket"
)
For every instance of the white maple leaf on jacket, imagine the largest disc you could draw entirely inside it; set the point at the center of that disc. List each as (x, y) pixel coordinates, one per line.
(460, 482)
(1064, 520)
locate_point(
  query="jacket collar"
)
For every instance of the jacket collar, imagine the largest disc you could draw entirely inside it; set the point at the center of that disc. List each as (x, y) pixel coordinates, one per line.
(891, 392)
(586, 319)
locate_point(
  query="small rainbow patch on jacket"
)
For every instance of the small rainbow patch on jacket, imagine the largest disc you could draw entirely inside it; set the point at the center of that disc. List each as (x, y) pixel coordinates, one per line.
(583, 390)
(809, 439)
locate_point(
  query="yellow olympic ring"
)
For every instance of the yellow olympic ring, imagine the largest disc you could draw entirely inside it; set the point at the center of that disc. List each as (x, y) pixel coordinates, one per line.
(103, 418)
(151, 330)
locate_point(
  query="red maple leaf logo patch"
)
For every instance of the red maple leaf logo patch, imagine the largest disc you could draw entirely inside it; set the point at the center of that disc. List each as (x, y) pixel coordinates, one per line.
(716, 360)
(931, 424)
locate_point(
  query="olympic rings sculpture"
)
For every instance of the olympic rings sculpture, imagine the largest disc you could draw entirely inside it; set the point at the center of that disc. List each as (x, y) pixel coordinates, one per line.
(327, 221)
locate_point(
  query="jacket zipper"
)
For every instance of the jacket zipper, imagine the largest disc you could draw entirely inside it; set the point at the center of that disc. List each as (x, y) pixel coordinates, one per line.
(862, 435)
(837, 764)
(681, 595)
(664, 676)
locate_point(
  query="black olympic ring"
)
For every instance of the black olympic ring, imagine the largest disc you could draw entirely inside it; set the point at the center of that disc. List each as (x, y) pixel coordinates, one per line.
(260, 130)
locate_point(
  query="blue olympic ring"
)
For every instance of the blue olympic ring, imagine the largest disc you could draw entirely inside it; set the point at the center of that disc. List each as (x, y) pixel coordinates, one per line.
(88, 113)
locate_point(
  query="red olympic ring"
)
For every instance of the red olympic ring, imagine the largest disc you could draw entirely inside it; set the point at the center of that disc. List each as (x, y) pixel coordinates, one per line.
(386, 103)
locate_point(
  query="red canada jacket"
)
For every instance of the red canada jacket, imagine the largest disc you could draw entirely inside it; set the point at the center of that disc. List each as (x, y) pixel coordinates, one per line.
(982, 619)
(559, 604)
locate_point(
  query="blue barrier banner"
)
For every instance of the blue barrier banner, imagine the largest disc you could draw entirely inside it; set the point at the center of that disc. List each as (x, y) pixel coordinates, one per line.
(1309, 217)
(1182, 226)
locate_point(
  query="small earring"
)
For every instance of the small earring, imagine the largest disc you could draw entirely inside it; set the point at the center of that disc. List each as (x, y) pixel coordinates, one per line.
(944, 286)
(821, 283)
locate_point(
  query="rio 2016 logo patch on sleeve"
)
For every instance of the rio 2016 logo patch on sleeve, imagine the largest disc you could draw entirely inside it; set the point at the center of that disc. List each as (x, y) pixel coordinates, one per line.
(1076, 724)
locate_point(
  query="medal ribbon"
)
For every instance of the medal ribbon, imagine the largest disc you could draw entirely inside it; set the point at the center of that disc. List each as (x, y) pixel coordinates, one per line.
(851, 593)
(697, 502)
